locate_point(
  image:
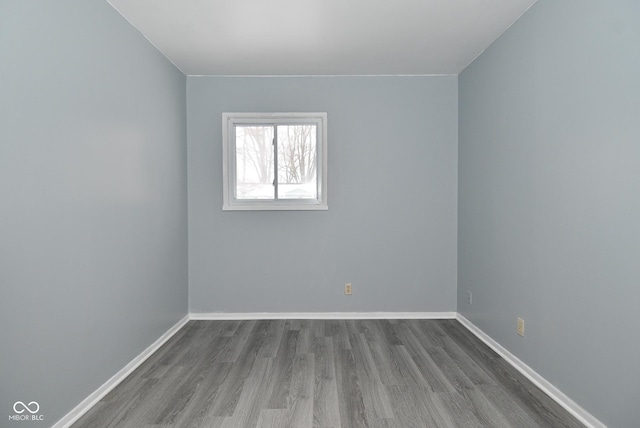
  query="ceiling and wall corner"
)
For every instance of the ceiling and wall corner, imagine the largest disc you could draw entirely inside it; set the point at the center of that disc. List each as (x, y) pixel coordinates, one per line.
(321, 37)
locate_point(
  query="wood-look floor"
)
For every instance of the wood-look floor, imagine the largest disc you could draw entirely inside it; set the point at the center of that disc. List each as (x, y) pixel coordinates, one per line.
(325, 373)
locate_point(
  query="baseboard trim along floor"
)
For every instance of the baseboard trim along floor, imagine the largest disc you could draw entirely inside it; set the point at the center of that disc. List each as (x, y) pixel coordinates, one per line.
(572, 407)
(547, 387)
(212, 316)
(97, 395)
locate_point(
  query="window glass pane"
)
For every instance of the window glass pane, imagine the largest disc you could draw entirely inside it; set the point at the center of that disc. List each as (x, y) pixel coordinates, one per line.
(254, 162)
(297, 176)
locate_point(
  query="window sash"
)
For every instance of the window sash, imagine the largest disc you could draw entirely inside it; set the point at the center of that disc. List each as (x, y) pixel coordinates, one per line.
(233, 121)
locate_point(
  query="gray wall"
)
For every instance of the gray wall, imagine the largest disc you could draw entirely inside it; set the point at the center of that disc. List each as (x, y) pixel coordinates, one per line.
(93, 209)
(549, 200)
(391, 224)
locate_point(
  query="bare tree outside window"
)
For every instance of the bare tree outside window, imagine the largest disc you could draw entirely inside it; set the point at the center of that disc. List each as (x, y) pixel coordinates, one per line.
(254, 162)
(296, 146)
(297, 161)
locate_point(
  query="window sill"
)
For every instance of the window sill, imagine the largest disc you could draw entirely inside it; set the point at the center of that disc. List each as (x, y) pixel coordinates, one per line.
(276, 207)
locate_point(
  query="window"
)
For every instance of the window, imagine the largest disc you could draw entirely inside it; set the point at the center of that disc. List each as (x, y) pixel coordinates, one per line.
(274, 161)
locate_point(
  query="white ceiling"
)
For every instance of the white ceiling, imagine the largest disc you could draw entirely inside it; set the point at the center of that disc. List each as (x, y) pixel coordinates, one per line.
(321, 37)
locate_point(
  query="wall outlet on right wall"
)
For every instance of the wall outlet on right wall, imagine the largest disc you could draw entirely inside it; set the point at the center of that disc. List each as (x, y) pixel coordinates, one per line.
(520, 326)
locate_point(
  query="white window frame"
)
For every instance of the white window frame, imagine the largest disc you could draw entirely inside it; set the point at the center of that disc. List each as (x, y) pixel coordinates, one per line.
(230, 120)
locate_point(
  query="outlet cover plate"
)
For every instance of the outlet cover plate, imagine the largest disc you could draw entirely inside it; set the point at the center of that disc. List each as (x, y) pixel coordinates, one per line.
(521, 327)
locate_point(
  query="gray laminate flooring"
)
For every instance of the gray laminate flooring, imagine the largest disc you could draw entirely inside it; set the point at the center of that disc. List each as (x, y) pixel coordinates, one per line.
(325, 373)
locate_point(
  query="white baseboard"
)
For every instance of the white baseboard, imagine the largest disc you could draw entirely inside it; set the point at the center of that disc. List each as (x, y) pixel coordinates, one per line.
(321, 315)
(547, 387)
(97, 395)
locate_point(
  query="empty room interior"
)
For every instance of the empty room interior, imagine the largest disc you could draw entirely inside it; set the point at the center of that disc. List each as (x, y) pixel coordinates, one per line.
(460, 248)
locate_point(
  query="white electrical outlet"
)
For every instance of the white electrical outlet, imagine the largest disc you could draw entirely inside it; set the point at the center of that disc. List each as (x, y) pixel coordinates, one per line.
(520, 326)
(347, 289)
